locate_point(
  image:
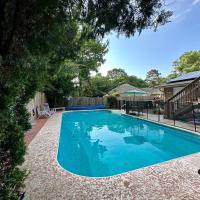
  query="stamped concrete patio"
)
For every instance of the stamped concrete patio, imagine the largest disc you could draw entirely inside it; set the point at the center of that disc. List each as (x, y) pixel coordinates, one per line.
(175, 179)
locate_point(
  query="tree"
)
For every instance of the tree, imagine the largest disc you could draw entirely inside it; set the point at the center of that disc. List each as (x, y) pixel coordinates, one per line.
(127, 17)
(90, 57)
(60, 85)
(61, 82)
(171, 76)
(137, 82)
(36, 35)
(188, 62)
(117, 76)
(112, 100)
(153, 78)
(100, 85)
(116, 73)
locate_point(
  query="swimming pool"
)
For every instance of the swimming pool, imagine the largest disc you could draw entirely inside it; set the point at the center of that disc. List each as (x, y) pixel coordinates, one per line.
(101, 143)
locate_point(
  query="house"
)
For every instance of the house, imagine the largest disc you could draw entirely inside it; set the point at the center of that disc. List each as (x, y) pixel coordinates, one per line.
(123, 88)
(181, 94)
(175, 85)
(156, 93)
(151, 93)
(147, 94)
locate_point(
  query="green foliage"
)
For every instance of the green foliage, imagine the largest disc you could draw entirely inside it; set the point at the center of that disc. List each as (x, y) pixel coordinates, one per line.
(101, 85)
(60, 84)
(118, 76)
(137, 82)
(73, 76)
(126, 17)
(171, 76)
(112, 100)
(88, 60)
(38, 41)
(26, 49)
(116, 73)
(153, 78)
(12, 179)
(188, 62)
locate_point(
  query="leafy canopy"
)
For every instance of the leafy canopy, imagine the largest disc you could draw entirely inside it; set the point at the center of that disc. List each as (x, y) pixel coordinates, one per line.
(124, 16)
(116, 73)
(188, 62)
(153, 78)
(101, 85)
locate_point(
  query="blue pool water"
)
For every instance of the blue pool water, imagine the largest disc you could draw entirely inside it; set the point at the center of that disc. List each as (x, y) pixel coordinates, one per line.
(100, 143)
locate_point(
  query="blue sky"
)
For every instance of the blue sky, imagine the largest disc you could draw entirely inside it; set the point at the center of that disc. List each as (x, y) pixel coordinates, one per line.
(158, 50)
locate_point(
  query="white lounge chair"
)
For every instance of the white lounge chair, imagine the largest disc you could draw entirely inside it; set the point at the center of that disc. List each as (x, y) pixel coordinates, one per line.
(51, 111)
(42, 113)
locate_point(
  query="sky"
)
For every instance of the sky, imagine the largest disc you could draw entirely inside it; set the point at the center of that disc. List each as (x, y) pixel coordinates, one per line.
(157, 50)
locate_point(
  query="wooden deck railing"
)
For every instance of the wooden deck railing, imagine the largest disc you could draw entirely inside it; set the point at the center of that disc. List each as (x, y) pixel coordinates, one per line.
(183, 98)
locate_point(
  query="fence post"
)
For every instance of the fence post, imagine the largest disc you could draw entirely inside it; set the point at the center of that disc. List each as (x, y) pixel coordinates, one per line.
(193, 113)
(158, 112)
(173, 115)
(147, 110)
(127, 107)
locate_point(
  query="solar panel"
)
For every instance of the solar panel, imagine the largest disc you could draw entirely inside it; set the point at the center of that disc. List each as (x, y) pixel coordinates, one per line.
(184, 77)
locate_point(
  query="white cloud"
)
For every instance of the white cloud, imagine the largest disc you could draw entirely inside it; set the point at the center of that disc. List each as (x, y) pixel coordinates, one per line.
(195, 2)
(104, 69)
(181, 14)
(181, 8)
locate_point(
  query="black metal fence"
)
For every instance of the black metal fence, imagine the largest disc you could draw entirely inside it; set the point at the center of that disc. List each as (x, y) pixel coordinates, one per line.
(155, 111)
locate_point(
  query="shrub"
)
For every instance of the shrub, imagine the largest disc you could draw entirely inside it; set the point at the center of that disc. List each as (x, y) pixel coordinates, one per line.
(112, 101)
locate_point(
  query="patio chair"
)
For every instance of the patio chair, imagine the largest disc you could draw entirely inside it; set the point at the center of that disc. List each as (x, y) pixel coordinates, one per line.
(42, 113)
(51, 111)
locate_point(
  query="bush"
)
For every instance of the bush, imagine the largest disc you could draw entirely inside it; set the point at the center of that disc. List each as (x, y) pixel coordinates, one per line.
(112, 101)
(14, 122)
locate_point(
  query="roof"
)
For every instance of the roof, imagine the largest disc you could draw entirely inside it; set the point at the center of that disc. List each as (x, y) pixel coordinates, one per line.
(185, 77)
(152, 91)
(124, 88)
(175, 84)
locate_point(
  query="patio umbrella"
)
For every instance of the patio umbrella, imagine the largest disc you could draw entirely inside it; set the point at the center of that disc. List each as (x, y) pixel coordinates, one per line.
(134, 92)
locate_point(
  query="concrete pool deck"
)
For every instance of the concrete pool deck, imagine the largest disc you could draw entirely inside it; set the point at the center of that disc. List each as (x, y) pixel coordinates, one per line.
(175, 179)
